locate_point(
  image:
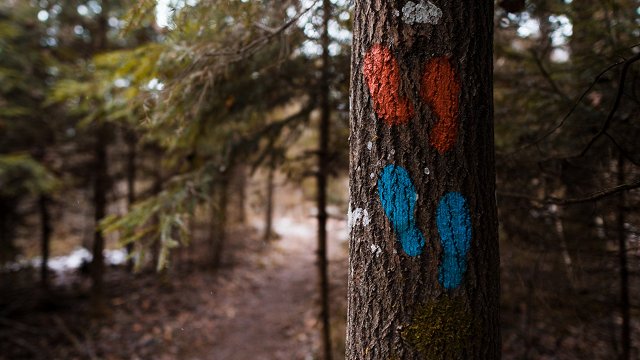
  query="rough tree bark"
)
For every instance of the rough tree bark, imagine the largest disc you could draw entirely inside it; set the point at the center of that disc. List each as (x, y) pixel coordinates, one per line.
(322, 177)
(424, 261)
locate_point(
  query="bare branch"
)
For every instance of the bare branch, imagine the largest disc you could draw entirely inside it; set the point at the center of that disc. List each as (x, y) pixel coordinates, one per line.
(253, 46)
(623, 77)
(589, 198)
(571, 111)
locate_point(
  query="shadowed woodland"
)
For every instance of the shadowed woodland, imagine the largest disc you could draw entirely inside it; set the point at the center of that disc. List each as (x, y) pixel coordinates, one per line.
(174, 178)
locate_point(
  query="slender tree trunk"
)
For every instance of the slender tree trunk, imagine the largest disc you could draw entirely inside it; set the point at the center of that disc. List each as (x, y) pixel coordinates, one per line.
(241, 177)
(6, 243)
(191, 245)
(578, 222)
(268, 228)
(564, 248)
(213, 237)
(323, 174)
(45, 239)
(219, 204)
(423, 255)
(223, 202)
(131, 181)
(624, 270)
(100, 186)
(577, 175)
(8, 219)
(157, 188)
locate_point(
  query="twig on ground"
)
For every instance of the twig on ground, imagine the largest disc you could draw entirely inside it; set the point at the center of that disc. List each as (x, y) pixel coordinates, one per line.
(82, 348)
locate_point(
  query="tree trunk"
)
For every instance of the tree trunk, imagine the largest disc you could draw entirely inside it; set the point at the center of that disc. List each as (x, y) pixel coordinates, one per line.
(268, 228)
(323, 174)
(624, 270)
(424, 260)
(578, 222)
(6, 232)
(219, 202)
(241, 176)
(213, 213)
(45, 237)
(157, 188)
(100, 186)
(193, 228)
(131, 187)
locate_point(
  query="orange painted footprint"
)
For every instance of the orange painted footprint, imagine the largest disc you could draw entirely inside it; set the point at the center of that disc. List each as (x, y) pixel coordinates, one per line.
(440, 88)
(382, 73)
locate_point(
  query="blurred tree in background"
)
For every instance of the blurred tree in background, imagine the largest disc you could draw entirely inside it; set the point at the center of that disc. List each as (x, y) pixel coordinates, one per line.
(566, 120)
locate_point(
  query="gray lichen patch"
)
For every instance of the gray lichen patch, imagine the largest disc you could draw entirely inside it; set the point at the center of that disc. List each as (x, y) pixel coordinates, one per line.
(422, 13)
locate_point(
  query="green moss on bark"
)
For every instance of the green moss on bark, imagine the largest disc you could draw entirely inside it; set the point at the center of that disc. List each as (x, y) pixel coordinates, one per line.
(441, 329)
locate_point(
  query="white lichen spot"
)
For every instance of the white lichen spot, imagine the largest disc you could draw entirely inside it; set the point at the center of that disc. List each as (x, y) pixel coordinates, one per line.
(392, 152)
(396, 13)
(357, 215)
(366, 220)
(427, 171)
(376, 250)
(372, 175)
(422, 13)
(369, 145)
(354, 216)
(349, 216)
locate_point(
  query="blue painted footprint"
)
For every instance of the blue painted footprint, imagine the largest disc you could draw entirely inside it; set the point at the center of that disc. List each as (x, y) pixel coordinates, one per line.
(454, 225)
(398, 197)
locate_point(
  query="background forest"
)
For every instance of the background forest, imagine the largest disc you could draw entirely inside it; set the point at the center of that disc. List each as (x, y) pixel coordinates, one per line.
(185, 141)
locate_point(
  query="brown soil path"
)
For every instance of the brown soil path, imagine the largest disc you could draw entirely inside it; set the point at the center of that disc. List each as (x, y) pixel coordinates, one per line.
(261, 305)
(265, 307)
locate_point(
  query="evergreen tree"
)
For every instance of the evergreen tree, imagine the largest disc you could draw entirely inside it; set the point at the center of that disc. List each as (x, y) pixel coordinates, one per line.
(423, 257)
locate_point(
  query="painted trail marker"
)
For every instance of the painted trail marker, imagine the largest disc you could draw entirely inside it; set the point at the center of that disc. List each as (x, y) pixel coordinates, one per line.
(440, 89)
(454, 226)
(398, 197)
(382, 74)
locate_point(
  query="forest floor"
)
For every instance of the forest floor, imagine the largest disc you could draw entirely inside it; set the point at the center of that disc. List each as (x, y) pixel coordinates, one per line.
(261, 304)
